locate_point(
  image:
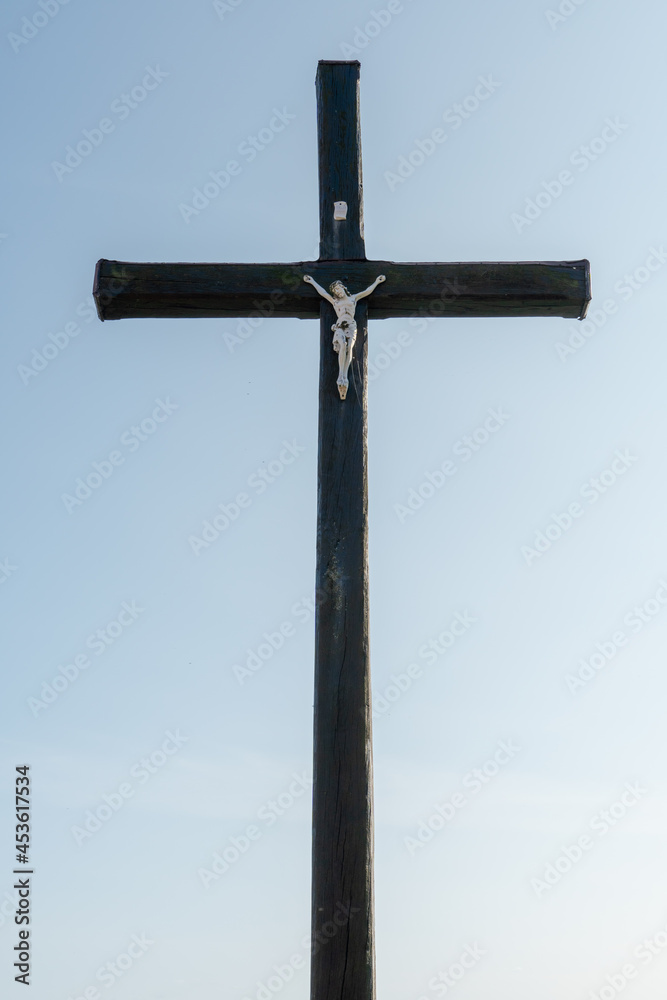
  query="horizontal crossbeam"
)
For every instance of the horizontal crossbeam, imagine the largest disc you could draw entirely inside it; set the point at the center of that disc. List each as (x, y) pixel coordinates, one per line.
(552, 288)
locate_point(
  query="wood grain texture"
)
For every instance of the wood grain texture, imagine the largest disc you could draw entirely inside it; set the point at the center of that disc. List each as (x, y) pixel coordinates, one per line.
(342, 957)
(339, 159)
(342, 964)
(551, 288)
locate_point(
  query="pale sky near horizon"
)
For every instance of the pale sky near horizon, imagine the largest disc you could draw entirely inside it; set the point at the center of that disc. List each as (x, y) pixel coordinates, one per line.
(518, 612)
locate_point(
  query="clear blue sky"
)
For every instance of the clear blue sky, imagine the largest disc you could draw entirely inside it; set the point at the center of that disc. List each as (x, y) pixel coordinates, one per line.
(546, 548)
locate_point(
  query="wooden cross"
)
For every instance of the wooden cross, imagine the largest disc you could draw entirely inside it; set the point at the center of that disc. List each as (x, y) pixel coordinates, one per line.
(342, 954)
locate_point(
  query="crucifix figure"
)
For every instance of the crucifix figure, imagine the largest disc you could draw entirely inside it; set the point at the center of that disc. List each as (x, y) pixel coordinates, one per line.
(345, 327)
(342, 954)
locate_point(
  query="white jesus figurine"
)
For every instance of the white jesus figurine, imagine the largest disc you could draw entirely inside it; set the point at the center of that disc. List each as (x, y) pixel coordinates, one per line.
(345, 327)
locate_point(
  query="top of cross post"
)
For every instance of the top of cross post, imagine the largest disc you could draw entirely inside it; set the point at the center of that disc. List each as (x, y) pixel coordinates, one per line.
(339, 158)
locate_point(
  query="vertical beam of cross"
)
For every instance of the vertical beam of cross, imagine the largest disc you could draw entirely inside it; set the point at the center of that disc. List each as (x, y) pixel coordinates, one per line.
(343, 963)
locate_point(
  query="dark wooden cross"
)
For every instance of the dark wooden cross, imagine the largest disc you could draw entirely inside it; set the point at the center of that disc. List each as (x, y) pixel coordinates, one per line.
(342, 959)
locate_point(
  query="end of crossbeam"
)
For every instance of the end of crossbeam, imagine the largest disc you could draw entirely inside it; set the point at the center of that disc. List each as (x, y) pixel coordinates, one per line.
(107, 286)
(587, 288)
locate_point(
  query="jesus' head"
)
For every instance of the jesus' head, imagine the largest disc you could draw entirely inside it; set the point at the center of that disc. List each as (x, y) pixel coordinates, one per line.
(338, 290)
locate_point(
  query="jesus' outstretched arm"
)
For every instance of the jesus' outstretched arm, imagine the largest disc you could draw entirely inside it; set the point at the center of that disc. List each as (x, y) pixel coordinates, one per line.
(322, 291)
(371, 288)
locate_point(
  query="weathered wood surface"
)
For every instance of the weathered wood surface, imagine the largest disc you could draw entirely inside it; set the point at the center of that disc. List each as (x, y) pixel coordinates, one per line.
(552, 288)
(342, 967)
(339, 159)
(343, 959)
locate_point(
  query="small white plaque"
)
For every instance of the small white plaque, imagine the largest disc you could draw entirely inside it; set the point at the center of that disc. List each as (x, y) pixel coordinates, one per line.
(340, 211)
